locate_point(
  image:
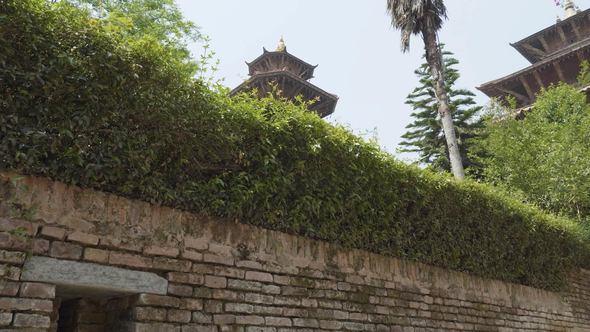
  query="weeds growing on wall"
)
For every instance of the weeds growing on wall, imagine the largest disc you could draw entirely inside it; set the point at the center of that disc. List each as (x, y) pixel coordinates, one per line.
(82, 104)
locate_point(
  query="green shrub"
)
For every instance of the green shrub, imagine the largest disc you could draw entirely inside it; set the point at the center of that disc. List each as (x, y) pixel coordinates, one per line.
(546, 156)
(84, 105)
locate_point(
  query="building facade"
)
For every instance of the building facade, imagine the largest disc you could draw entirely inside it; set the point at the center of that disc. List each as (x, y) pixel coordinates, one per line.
(555, 54)
(280, 71)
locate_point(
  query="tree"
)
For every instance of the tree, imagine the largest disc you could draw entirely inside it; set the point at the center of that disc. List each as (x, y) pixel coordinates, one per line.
(159, 20)
(544, 157)
(426, 136)
(584, 75)
(425, 17)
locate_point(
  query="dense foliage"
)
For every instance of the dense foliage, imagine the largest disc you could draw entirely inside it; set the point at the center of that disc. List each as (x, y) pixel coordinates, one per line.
(160, 20)
(545, 156)
(584, 75)
(82, 104)
(425, 135)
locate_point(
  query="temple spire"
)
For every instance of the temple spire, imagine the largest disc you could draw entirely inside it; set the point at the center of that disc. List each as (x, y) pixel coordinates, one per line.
(570, 8)
(281, 73)
(281, 47)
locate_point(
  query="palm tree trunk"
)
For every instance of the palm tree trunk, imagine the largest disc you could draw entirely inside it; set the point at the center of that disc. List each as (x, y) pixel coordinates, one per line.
(434, 59)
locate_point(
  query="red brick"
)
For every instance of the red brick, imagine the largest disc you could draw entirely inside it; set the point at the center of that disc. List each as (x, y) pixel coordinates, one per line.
(220, 249)
(259, 276)
(228, 295)
(40, 246)
(8, 288)
(213, 306)
(37, 290)
(203, 268)
(196, 243)
(5, 241)
(170, 264)
(224, 319)
(65, 250)
(192, 304)
(250, 320)
(12, 257)
(192, 255)
(180, 290)
(282, 280)
(202, 318)
(239, 307)
(117, 258)
(215, 282)
(179, 316)
(31, 320)
(83, 238)
(157, 301)
(9, 225)
(9, 272)
(149, 314)
(185, 278)
(53, 232)
(249, 265)
(202, 292)
(161, 251)
(26, 304)
(115, 243)
(278, 321)
(210, 258)
(5, 318)
(96, 255)
(226, 271)
(13, 242)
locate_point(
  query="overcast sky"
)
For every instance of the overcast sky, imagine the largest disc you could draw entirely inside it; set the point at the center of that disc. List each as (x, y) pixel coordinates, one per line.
(359, 53)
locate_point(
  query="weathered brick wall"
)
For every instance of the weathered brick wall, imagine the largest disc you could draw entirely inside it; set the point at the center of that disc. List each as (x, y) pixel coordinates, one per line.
(225, 276)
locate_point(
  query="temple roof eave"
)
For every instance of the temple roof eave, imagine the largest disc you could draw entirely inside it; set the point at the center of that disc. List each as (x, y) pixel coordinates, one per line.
(322, 93)
(550, 28)
(524, 52)
(268, 53)
(558, 56)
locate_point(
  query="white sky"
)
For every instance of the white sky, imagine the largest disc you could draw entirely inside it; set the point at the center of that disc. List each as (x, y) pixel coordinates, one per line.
(359, 53)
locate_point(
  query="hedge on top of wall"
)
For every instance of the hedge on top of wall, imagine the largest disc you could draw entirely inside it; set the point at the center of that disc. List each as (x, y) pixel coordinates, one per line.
(81, 104)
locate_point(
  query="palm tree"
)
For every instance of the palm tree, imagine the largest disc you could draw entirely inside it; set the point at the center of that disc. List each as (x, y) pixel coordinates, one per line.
(425, 17)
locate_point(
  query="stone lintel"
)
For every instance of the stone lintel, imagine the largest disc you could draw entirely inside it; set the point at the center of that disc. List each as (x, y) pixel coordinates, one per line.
(91, 279)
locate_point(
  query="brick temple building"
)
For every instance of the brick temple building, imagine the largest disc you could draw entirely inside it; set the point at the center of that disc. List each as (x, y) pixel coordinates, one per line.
(291, 75)
(555, 54)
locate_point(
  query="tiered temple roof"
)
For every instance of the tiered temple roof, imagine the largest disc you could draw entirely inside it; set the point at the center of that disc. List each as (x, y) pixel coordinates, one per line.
(290, 74)
(555, 54)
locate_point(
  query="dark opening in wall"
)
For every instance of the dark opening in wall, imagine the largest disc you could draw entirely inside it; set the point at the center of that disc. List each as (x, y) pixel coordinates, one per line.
(91, 297)
(92, 315)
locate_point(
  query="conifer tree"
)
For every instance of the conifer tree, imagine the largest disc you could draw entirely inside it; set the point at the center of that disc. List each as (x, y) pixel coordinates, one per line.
(425, 18)
(425, 135)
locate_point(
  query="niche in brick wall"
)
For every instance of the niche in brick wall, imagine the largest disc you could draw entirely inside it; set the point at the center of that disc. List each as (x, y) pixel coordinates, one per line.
(91, 315)
(91, 297)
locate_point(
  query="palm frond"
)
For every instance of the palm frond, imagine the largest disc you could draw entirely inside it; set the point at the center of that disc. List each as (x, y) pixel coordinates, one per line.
(413, 17)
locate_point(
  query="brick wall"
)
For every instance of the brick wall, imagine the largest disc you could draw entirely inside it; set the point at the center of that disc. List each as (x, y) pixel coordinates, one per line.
(224, 276)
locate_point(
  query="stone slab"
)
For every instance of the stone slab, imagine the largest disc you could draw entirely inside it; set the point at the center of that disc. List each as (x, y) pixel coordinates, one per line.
(91, 278)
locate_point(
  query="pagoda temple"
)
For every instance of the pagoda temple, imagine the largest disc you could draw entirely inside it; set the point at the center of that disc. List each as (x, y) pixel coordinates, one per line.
(555, 54)
(290, 75)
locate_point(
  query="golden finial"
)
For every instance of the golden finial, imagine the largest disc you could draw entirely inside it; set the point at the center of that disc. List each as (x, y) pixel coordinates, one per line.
(281, 47)
(570, 8)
